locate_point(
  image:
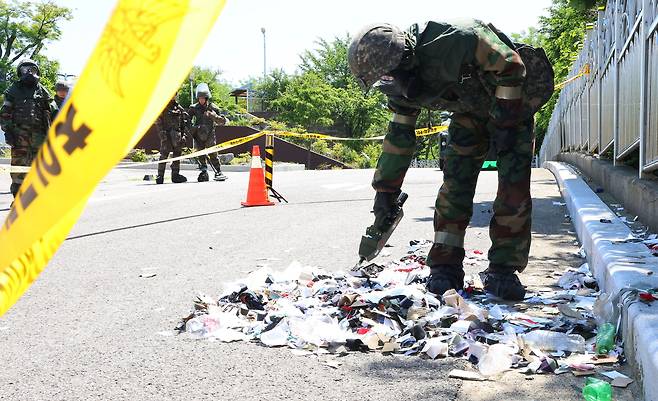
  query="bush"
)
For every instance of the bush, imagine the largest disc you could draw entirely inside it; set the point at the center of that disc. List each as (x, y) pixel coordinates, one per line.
(138, 155)
(242, 158)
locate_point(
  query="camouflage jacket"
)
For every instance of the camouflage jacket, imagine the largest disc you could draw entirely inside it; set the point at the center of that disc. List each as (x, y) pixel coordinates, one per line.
(454, 67)
(173, 118)
(59, 101)
(207, 115)
(27, 109)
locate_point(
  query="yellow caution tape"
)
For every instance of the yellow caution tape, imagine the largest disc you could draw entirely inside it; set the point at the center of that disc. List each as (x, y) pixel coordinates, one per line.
(431, 131)
(319, 136)
(145, 51)
(239, 141)
(419, 132)
(215, 148)
(583, 71)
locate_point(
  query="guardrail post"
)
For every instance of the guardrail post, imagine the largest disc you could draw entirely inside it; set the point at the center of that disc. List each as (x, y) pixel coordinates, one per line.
(644, 85)
(618, 46)
(600, 65)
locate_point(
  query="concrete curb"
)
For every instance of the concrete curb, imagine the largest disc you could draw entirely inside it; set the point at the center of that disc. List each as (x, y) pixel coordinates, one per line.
(617, 265)
(639, 196)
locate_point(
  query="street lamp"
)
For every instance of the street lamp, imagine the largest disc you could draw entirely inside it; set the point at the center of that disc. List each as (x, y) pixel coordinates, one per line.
(264, 55)
(191, 88)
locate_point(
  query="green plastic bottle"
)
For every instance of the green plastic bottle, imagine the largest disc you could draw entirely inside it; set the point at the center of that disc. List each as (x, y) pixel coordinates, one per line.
(605, 338)
(597, 390)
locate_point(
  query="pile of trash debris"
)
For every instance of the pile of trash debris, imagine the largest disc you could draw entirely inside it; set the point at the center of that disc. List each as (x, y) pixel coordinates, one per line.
(385, 308)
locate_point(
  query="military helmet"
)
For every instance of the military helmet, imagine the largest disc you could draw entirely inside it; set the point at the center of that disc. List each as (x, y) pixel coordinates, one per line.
(62, 85)
(202, 90)
(27, 63)
(375, 51)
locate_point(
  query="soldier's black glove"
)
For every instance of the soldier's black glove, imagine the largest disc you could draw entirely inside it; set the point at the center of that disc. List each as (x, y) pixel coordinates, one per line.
(10, 139)
(385, 206)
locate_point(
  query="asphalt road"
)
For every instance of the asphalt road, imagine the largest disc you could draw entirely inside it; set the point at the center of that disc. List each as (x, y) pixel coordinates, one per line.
(90, 327)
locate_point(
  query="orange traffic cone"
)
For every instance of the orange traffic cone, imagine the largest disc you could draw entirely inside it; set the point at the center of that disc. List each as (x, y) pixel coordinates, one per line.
(257, 191)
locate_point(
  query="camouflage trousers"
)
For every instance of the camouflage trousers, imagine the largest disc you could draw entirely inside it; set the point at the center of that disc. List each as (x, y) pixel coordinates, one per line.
(509, 229)
(171, 141)
(203, 142)
(23, 152)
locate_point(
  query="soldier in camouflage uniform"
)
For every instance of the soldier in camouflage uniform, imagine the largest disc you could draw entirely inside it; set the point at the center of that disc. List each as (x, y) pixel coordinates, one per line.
(472, 70)
(205, 116)
(25, 117)
(172, 126)
(61, 92)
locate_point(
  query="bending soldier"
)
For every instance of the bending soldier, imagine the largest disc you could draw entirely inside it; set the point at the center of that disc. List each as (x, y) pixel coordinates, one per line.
(172, 126)
(205, 116)
(25, 117)
(477, 73)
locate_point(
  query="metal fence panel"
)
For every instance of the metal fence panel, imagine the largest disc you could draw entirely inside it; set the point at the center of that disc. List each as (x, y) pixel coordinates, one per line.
(629, 94)
(652, 98)
(594, 115)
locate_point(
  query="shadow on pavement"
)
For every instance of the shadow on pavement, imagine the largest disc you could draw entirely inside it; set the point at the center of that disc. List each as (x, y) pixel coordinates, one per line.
(152, 223)
(426, 379)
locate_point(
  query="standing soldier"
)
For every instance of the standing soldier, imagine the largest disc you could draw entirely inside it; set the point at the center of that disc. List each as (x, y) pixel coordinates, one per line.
(25, 117)
(205, 116)
(493, 88)
(61, 92)
(172, 126)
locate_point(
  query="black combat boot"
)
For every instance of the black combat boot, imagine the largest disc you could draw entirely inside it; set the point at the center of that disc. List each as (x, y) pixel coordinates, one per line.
(203, 176)
(177, 178)
(13, 188)
(219, 176)
(502, 282)
(445, 277)
(159, 179)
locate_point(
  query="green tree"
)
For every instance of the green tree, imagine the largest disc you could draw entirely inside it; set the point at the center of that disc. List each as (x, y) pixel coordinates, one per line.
(308, 102)
(560, 33)
(25, 28)
(272, 87)
(219, 89)
(329, 61)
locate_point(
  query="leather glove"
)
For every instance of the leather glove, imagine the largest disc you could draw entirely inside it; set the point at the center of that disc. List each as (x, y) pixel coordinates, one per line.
(385, 205)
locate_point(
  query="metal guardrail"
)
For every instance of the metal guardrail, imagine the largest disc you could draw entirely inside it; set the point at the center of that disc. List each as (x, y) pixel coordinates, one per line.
(615, 106)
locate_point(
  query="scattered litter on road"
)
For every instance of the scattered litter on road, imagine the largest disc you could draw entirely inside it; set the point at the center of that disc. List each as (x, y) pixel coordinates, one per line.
(466, 375)
(597, 390)
(386, 309)
(147, 275)
(618, 379)
(559, 203)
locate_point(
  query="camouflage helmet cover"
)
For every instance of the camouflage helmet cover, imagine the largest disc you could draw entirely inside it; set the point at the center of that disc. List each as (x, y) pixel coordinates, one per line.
(26, 62)
(375, 51)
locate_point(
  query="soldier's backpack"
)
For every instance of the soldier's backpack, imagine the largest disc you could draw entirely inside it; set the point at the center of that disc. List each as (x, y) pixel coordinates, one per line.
(539, 82)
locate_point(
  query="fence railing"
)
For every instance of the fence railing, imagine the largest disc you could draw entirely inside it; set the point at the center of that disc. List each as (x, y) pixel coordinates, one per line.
(615, 106)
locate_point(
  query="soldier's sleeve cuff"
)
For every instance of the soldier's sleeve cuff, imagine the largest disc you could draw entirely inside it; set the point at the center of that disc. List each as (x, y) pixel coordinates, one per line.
(508, 92)
(404, 119)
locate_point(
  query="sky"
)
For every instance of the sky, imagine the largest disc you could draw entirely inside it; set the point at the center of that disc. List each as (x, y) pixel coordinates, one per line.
(235, 44)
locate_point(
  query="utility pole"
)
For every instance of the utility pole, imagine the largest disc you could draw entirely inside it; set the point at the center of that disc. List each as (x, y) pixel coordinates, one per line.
(264, 55)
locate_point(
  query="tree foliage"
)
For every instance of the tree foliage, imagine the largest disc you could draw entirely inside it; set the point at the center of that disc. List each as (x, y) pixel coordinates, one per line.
(308, 101)
(25, 28)
(219, 89)
(560, 33)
